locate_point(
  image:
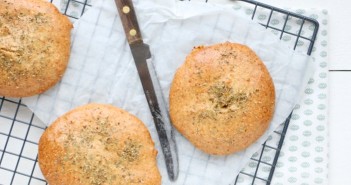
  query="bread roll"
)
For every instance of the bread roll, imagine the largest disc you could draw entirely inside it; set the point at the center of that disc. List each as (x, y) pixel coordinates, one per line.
(98, 144)
(34, 46)
(222, 98)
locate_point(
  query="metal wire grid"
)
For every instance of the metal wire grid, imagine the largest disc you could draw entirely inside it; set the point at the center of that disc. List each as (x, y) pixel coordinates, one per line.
(83, 4)
(20, 130)
(19, 138)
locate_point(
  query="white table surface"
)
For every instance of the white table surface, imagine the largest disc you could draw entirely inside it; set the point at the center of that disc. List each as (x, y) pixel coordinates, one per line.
(339, 82)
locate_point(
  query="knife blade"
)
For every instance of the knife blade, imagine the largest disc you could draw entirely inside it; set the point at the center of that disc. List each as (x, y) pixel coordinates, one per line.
(141, 54)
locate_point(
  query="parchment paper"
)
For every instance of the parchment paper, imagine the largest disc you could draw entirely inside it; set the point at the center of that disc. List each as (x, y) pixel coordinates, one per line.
(101, 70)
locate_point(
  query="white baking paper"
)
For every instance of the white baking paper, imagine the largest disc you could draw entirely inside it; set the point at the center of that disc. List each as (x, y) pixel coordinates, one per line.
(101, 70)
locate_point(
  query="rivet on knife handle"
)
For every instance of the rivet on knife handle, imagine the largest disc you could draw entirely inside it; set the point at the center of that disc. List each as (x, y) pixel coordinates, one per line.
(129, 19)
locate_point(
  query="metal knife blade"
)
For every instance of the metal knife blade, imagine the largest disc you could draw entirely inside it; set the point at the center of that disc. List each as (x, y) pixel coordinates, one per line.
(141, 54)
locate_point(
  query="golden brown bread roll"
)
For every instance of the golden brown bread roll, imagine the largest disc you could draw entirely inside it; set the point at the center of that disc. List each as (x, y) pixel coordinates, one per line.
(34, 46)
(222, 98)
(98, 144)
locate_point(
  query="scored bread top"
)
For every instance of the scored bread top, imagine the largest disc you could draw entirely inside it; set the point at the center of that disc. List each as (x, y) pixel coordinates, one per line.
(98, 144)
(34, 46)
(222, 98)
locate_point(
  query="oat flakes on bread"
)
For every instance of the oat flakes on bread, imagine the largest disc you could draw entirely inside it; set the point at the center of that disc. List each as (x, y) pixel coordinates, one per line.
(98, 144)
(222, 98)
(34, 46)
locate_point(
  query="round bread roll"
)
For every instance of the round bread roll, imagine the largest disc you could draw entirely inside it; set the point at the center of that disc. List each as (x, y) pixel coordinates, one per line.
(98, 144)
(222, 98)
(34, 46)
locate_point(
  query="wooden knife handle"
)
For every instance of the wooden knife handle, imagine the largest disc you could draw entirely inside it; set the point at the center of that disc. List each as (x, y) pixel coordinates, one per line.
(129, 21)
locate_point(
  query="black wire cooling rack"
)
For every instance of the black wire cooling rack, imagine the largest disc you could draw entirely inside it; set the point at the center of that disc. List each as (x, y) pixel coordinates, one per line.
(20, 129)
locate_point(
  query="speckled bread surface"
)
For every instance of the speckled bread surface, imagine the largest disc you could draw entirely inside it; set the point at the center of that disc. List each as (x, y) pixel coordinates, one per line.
(34, 46)
(98, 144)
(222, 98)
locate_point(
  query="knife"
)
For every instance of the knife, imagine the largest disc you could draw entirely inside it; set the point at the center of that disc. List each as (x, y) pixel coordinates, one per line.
(141, 54)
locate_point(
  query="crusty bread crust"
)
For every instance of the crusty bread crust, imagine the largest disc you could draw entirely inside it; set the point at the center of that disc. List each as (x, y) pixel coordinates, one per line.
(34, 46)
(98, 144)
(222, 98)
